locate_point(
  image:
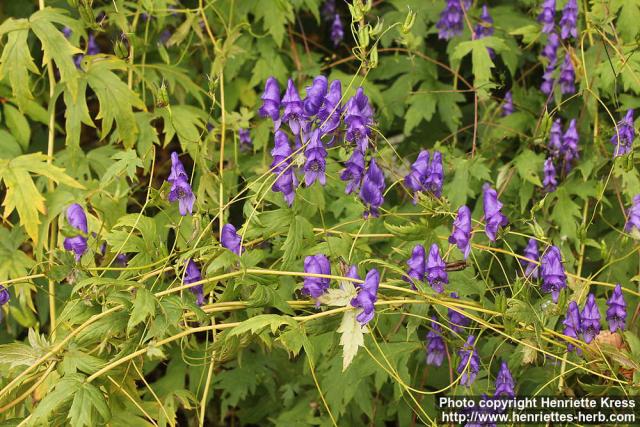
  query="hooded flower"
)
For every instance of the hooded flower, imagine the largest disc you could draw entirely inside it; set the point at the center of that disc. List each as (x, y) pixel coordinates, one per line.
(435, 177)
(353, 171)
(230, 239)
(507, 107)
(418, 175)
(572, 323)
(316, 286)
(567, 76)
(372, 188)
(181, 192)
(436, 349)
(461, 234)
(293, 112)
(416, 263)
(547, 79)
(177, 169)
(549, 181)
(504, 382)
(78, 220)
(547, 15)
(451, 19)
(469, 362)
(590, 319)
(92, 49)
(435, 269)
(271, 101)
(286, 181)
(484, 28)
(244, 138)
(330, 111)
(315, 163)
(457, 319)
(492, 212)
(569, 20)
(623, 139)
(337, 30)
(192, 275)
(358, 117)
(555, 138)
(570, 144)
(4, 295)
(633, 215)
(315, 96)
(550, 50)
(616, 310)
(328, 9)
(531, 252)
(552, 272)
(367, 296)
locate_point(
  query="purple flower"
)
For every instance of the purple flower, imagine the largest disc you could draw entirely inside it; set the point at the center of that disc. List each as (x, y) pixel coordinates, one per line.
(590, 319)
(337, 30)
(271, 101)
(435, 269)
(315, 96)
(416, 263)
(567, 76)
(316, 286)
(492, 212)
(570, 145)
(507, 107)
(504, 382)
(353, 171)
(461, 234)
(177, 169)
(547, 79)
(286, 181)
(122, 259)
(457, 319)
(531, 252)
(435, 177)
(230, 239)
(244, 138)
(547, 15)
(555, 138)
(78, 220)
(92, 49)
(66, 31)
(451, 19)
(293, 109)
(372, 188)
(569, 20)
(469, 362)
(192, 275)
(4, 295)
(484, 28)
(367, 296)
(549, 182)
(436, 349)
(358, 117)
(552, 272)
(330, 111)
(633, 215)
(550, 50)
(623, 139)
(328, 9)
(572, 323)
(419, 172)
(315, 162)
(617, 310)
(181, 191)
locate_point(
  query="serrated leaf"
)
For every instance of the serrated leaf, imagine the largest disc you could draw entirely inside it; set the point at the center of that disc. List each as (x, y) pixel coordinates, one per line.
(64, 390)
(340, 297)
(76, 113)
(528, 164)
(258, 323)
(18, 354)
(127, 163)
(299, 229)
(16, 61)
(18, 125)
(351, 337)
(86, 402)
(275, 18)
(143, 306)
(422, 107)
(565, 213)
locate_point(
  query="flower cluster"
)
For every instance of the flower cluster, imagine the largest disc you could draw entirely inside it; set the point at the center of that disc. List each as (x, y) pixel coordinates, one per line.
(469, 364)
(180, 187)
(417, 265)
(572, 323)
(461, 234)
(192, 275)
(616, 310)
(452, 18)
(547, 15)
(484, 28)
(563, 151)
(316, 286)
(426, 175)
(78, 220)
(433, 267)
(286, 181)
(531, 252)
(569, 20)
(337, 30)
(367, 296)
(505, 386)
(493, 215)
(622, 140)
(590, 319)
(371, 192)
(436, 348)
(552, 272)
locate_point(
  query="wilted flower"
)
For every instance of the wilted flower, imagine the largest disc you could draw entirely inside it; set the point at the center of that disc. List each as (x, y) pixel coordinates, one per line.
(550, 50)
(416, 263)
(286, 181)
(461, 234)
(436, 349)
(315, 96)
(330, 111)
(435, 178)
(4, 295)
(192, 275)
(451, 19)
(271, 101)
(435, 269)
(353, 171)
(78, 220)
(567, 76)
(358, 117)
(244, 138)
(531, 252)
(617, 310)
(623, 139)
(633, 215)
(469, 362)
(549, 181)
(590, 319)
(572, 323)
(552, 272)
(372, 187)
(230, 239)
(337, 30)
(570, 144)
(316, 286)
(293, 110)
(507, 107)
(419, 171)
(569, 20)
(547, 15)
(485, 27)
(547, 79)
(367, 296)
(457, 319)
(504, 382)
(315, 162)
(492, 212)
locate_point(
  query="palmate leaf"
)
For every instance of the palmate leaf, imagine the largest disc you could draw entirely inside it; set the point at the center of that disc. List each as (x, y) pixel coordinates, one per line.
(351, 337)
(16, 61)
(86, 402)
(22, 193)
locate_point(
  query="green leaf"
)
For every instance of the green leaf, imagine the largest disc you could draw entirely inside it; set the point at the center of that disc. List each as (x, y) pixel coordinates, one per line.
(18, 354)
(528, 164)
(258, 323)
(87, 401)
(275, 18)
(127, 162)
(299, 229)
(18, 125)
(351, 337)
(339, 297)
(628, 18)
(16, 61)
(481, 60)
(565, 213)
(76, 113)
(143, 306)
(422, 107)
(65, 389)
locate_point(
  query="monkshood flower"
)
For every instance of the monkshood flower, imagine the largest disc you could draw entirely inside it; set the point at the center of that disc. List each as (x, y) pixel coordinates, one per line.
(570, 144)
(492, 212)
(547, 15)
(435, 269)
(230, 239)
(244, 137)
(358, 117)
(337, 30)
(504, 382)
(192, 275)
(330, 111)
(353, 171)
(293, 109)
(372, 188)
(590, 319)
(555, 138)
(549, 181)
(367, 296)
(271, 101)
(572, 323)
(177, 169)
(418, 175)
(436, 349)
(469, 362)
(507, 107)
(316, 286)
(66, 31)
(458, 320)
(550, 50)
(286, 181)
(633, 215)
(569, 20)
(567, 76)
(78, 220)
(180, 187)
(122, 260)
(547, 79)
(623, 139)
(328, 9)
(531, 252)
(435, 178)
(315, 162)
(4, 295)
(451, 19)
(616, 310)
(92, 49)
(485, 27)
(416, 263)
(315, 96)
(461, 234)
(552, 272)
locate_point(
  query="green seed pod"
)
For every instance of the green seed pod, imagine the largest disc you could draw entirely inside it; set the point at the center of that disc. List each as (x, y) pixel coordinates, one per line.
(121, 49)
(373, 57)
(363, 36)
(163, 97)
(408, 22)
(377, 30)
(356, 13)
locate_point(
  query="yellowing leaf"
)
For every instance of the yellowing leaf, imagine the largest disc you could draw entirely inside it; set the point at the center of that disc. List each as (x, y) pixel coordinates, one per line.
(351, 338)
(339, 297)
(16, 61)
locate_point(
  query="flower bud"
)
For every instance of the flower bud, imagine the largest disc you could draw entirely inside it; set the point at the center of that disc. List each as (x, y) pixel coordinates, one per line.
(163, 97)
(363, 36)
